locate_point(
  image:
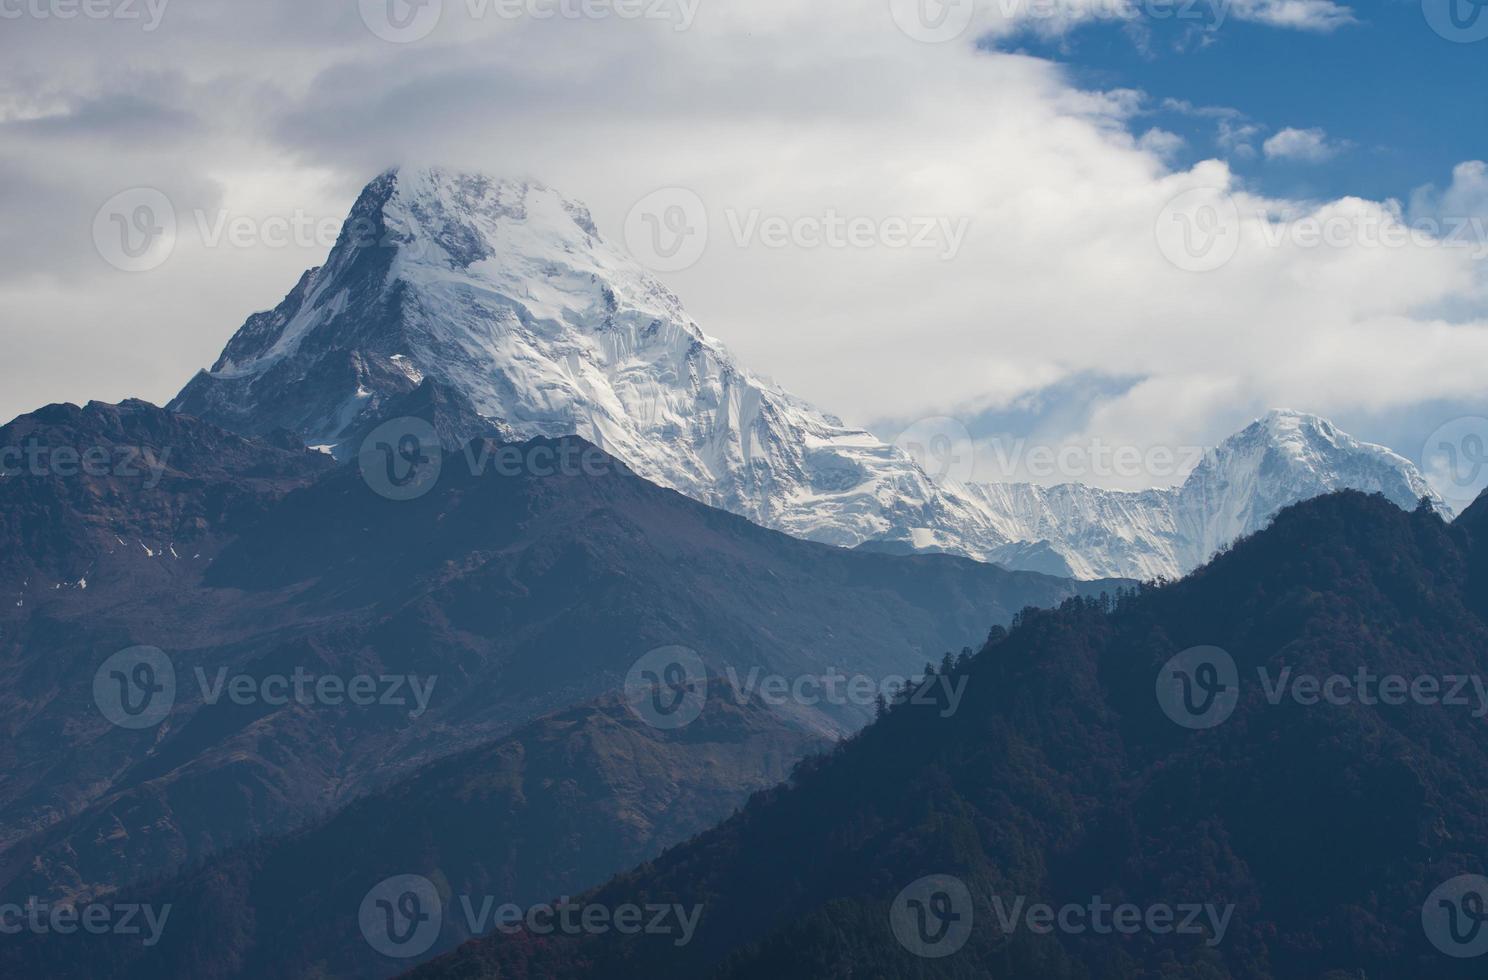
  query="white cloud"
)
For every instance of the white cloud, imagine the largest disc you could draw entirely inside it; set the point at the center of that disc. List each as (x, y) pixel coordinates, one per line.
(1466, 198)
(774, 105)
(1322, 16)
(1237, 138)
(1161, 143)
(1304, 145)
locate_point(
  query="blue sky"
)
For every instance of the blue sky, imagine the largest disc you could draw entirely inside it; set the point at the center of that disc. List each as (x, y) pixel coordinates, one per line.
(1405, 101)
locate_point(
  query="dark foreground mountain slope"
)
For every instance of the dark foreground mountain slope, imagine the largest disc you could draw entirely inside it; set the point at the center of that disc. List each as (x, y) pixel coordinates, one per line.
(552, 809)
(1307, 836)
(508, 593)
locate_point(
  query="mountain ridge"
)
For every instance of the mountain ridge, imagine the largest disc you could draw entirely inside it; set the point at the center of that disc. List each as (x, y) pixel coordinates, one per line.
(522, 592)
(1326, 828)
(503, 296)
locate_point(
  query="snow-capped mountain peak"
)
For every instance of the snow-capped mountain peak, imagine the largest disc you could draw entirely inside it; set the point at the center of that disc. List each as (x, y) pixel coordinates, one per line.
(498, 307)
(504, 295)
(1280, 459)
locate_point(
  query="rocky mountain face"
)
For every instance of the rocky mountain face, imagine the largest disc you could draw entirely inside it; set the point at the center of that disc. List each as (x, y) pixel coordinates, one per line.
(1171, 753)
(504, 294)
(506, 593)
(503, 303)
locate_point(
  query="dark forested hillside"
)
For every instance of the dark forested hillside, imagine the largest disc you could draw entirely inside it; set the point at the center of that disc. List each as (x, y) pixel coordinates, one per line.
(508, 592)
(560, 804)
(1270, 822)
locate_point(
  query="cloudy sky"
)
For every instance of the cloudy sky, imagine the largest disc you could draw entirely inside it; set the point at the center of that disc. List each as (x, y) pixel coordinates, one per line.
(1146, 221)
